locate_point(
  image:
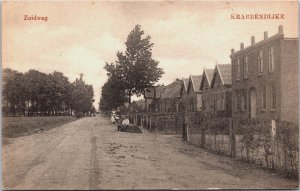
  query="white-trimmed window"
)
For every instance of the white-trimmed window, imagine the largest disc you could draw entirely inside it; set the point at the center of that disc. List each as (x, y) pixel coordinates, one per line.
(238, 69)
(216, 101)
(260, 62)
(222, 100)
(237, 100)
(245, 67)
(244, 101)
(263, 98)
(271, 59)
(273, 97)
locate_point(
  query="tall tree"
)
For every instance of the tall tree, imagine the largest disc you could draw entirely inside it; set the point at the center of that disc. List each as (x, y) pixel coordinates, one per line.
(135, 69)
(83, 95)
(112, 95)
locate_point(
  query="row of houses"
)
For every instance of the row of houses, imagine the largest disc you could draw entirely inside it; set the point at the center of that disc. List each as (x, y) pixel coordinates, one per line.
(260, 82)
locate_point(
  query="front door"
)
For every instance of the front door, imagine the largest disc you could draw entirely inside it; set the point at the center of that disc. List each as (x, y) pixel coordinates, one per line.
(253, 103)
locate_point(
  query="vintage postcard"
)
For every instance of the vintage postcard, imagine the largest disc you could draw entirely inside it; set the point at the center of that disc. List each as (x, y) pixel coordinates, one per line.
(150, 95)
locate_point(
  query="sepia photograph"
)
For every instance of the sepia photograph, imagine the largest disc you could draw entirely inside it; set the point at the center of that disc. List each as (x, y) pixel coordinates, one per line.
(150, 95)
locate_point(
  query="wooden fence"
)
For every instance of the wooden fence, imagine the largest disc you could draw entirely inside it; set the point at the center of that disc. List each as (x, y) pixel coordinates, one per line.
(269, 144)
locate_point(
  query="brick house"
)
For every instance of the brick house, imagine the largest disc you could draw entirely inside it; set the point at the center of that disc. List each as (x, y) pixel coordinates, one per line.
(220, 90)
(184, 98)
(265, 79)
(194, 96)
(205, 88)
(169, 99)
(137, 106)
(152, 97)
(149, 96)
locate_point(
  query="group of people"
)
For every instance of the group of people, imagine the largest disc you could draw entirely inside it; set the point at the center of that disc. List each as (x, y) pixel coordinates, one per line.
(116, 119)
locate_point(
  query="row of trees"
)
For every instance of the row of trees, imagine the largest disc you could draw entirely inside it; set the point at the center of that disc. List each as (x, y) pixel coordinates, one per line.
(132, 73)
(36, 93)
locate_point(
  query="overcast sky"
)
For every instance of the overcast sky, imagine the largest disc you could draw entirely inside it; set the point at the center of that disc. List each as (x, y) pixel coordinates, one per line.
(80, 36)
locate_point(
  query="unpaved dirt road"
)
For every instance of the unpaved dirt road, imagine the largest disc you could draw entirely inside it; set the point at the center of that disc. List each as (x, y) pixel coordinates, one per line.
(90, 154)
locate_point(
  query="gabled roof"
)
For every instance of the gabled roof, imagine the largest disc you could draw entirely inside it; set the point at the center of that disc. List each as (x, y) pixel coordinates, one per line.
(185, 83)
(196, 82)
(172, 90)
(208, 74)
(225, 73)
(177, 92)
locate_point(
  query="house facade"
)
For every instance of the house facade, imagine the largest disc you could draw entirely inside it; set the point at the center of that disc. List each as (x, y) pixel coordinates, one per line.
(205, 88)
(149, 96)
(184, 98)
(152, 98)
(169, 99)
(220, 90)
(265, 79)
(194, 95)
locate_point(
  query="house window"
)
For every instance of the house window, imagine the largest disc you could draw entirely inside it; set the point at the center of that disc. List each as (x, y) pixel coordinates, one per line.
(193, 106)
(271, 59)
(260, 62)
(244, 101)
(245, 67)
(222, 100)
(237, 100)
(273, 97)
(216, 102)
(203, 102)
(238, 69)
(263, 98)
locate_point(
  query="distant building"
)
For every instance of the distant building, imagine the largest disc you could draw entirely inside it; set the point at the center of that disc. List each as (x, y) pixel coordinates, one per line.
(205, 88)
(170, 97)
(184, 97)
(149, 96)
(194, 94)
(220, 90)
(265, 79)
(137, 106)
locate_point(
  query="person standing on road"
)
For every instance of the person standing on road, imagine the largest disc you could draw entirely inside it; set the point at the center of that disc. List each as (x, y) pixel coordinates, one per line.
(112, 118)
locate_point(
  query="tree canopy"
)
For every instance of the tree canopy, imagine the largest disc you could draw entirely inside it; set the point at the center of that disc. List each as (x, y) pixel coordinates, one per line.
(135, 70)
(37, 93)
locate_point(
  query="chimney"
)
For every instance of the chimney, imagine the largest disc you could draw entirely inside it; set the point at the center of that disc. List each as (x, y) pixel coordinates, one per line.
(232, 51)
(265, 35)
(280, 29)
(81, 75)
(242, 46)
(252, 40)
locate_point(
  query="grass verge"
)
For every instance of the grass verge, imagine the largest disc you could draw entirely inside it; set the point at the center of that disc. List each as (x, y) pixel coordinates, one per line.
(13, 127)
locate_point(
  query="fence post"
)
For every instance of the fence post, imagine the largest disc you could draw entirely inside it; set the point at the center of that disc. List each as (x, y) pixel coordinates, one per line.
(273, 133)
(150, 126)
(203, 135)
(187, 132)
(156, 121)
(142, 120)
(232, 138)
